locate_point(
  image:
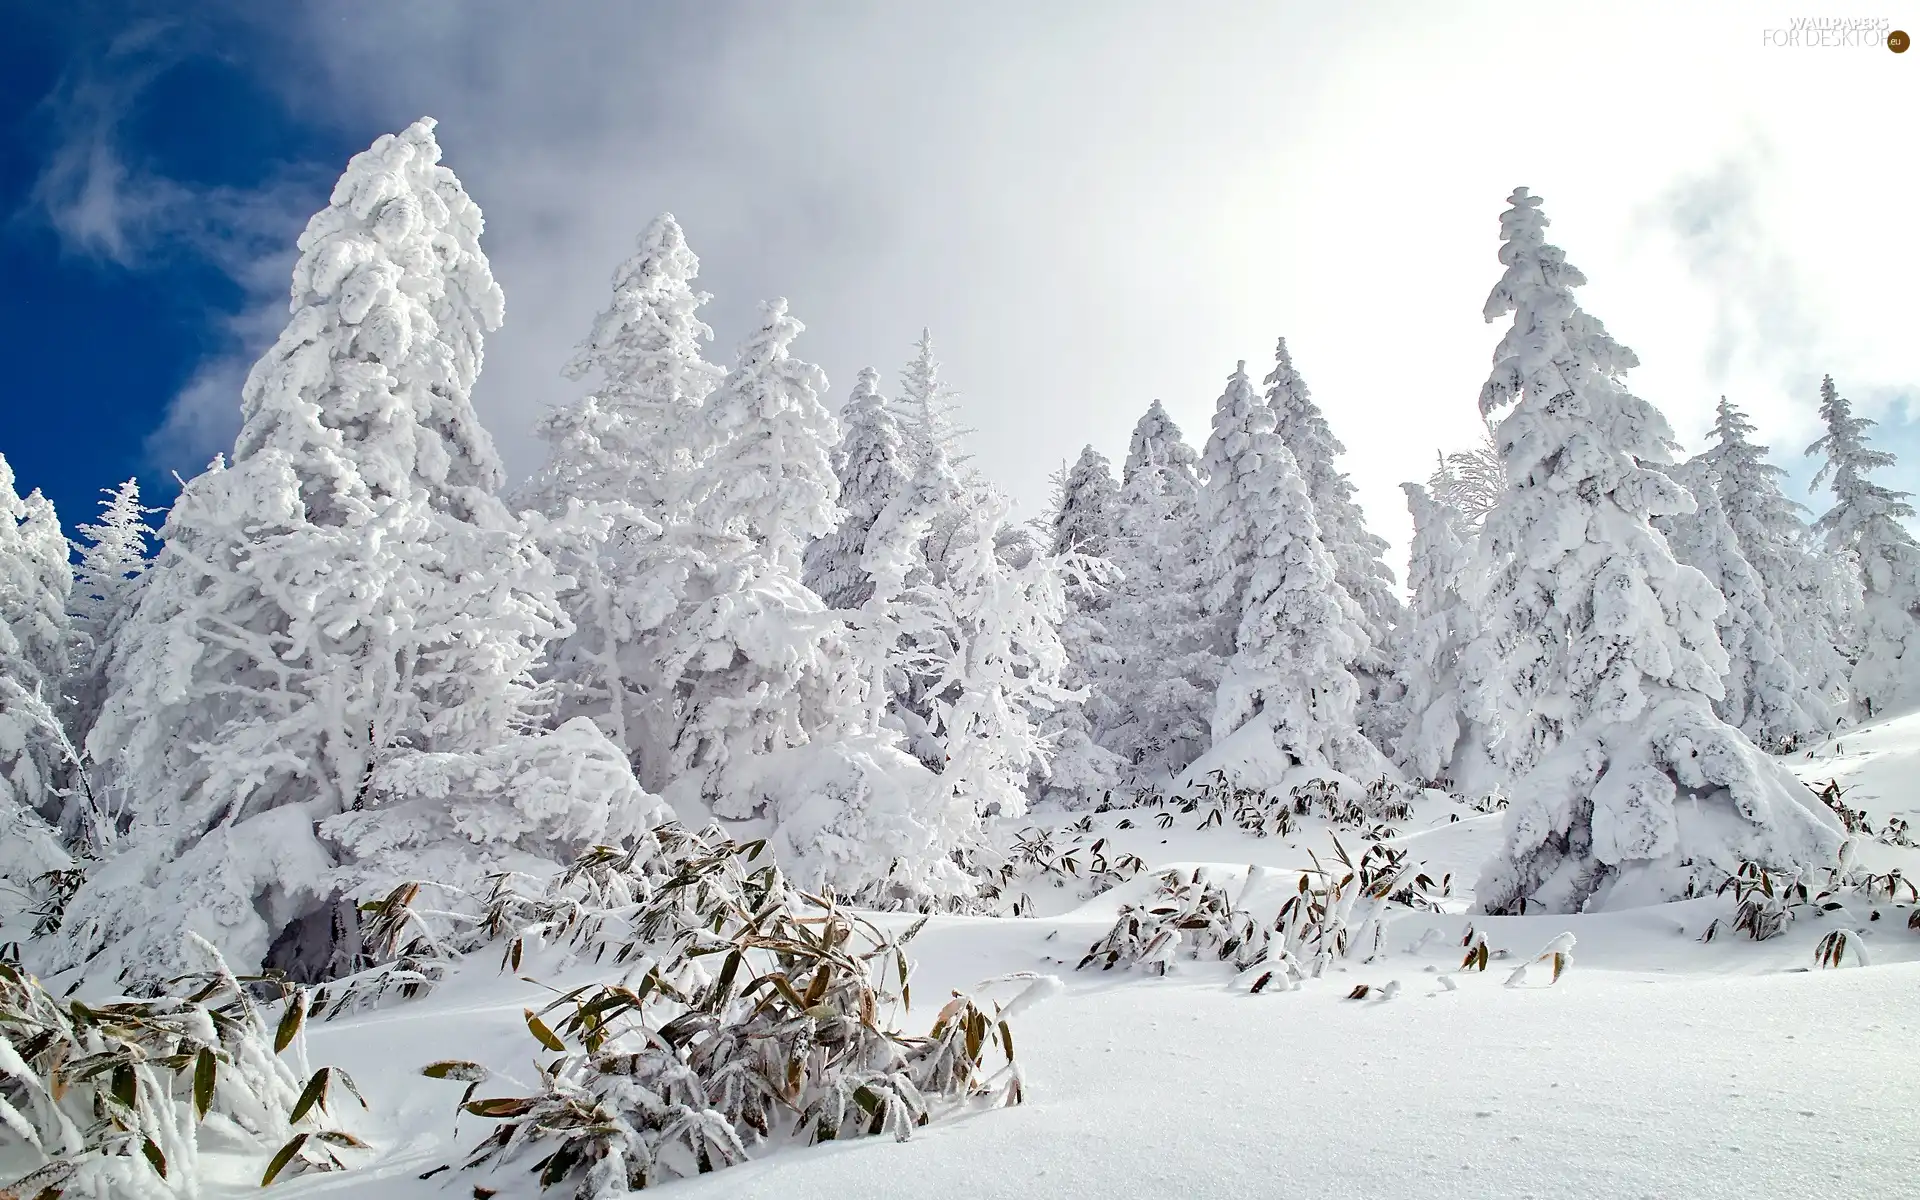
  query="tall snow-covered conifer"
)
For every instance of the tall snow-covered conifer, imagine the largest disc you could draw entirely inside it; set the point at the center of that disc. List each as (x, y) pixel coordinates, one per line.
(1775, 541)
(106, 582)
(35, 581)
(1598, 663)
(1764, 696)
(1296, 631)
(1866, 520)
(1439, 743)
(872, 470)
(1159, 685)
(1081, 770)
(1359, 565)
(926, 408)
(325, 687)
(636, 436)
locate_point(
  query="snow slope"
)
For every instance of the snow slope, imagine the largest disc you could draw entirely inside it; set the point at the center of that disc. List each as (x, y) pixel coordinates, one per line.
(1656, 1066)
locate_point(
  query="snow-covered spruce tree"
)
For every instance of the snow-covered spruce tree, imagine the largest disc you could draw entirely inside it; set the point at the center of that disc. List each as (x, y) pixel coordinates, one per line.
(637, 435)
(926, 407)
(1358, 554)
(1081, 770)
(1597, 662)
(1160, 681)
(1157, 440)
(1439, 744)
(1083, 521)
(35, 580)
(324, 689)
(1790, 565)
(1866, 520)
(1764, 696)
(998, 662)
(871, 465)
(106, 582)
(1297, 630)
(771, 477)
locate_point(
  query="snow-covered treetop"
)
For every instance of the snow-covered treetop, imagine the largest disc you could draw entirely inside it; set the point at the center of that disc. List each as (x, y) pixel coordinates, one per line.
(926, 406)
(645, 345)
(1553, 347)
(1084, 522)
(1357, 552)
(35, 582)
(1230, 540)
(634, 438)
(368, 388)
(772, 477)
(872, 471)
(1158, 441)
(1863, 510)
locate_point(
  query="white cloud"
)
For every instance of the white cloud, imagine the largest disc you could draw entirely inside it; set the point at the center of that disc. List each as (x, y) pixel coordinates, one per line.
(1094, 205)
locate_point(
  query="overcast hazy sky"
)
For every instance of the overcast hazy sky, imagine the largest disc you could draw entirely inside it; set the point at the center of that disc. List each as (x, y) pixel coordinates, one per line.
(1096, 204)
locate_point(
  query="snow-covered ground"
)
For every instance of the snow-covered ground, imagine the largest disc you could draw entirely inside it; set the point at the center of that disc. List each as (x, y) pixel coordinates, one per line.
(1657, 1065)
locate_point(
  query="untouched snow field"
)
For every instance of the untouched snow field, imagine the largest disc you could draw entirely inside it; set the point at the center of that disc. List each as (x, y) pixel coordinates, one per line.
(1656, 1066)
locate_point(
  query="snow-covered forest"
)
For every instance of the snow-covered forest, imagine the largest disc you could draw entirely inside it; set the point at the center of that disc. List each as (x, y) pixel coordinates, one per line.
(758, 670)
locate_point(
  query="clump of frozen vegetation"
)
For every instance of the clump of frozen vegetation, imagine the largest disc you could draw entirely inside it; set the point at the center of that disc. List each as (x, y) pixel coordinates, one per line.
(118, 1099)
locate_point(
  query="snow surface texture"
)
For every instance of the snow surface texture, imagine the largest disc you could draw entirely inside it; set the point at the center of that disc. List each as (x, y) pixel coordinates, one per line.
(1452, 1085)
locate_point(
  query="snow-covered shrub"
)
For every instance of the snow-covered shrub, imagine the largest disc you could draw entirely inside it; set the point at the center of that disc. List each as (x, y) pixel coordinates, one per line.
(1330, 913)
(115, 1098)
(792, 1039)
(1037, 858)
(1187, 911)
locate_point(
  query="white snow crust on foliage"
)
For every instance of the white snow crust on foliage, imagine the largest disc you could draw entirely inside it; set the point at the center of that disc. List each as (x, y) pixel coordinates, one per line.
(1598, 661)
(1797, 574)
(870, 463)
(637, 436)
(1359, 565)
(1160, 678)
(1763, 695)
(1297, 632)
(1439, 740)
(348, 593)
(1866, 521)
(35, 582)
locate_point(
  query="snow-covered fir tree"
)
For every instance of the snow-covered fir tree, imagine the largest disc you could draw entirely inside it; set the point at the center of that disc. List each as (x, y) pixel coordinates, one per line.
(1156, 440)
(106, 581)
(1866, 520)
(926, 407)
(1795, 574)
(1081, 770)
(771, 476)
(1165, 666)
(1597, 663)
(1084, 517)
(1764, 696)
(1359, 565)
(35, 582)
(871, 465)
(325, 687)
(637, 435)
(1440, 744)
(1296, 631)
(998, 663)
(1358, 555)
